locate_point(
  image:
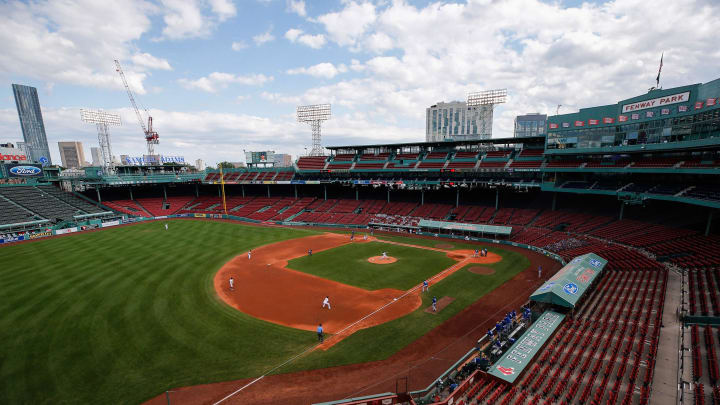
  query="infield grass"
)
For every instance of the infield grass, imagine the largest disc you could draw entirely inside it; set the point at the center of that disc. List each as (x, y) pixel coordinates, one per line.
(348, 264)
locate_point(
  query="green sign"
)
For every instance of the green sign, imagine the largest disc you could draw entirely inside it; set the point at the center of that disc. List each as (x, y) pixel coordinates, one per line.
(514, 361)
(569, 284)
(458, 226)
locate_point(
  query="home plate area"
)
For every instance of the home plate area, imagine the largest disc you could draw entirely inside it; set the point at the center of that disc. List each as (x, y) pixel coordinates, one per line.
(442, 303)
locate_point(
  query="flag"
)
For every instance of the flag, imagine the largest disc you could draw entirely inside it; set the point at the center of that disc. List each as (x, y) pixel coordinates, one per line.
(657, 80)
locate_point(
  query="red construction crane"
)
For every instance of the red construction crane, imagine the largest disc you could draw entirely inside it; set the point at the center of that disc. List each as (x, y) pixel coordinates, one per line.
(151, 137)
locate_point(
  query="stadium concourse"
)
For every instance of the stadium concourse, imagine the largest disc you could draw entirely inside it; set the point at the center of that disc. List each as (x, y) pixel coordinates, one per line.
(635, 183)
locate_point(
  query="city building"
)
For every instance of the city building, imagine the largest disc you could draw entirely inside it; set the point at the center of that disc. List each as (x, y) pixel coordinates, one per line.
(199, 164)
(96, 156)
(532, 124)
(455, 121)
(660, 118)
(283, 160)
(71, 154)
(33, 128)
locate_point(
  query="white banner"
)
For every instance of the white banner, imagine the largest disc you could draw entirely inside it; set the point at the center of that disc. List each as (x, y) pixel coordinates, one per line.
(657, 102)
(110, 223)
(64, 231)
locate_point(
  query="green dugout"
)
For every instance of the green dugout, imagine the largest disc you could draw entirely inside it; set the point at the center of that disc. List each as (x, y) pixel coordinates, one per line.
(569, 284)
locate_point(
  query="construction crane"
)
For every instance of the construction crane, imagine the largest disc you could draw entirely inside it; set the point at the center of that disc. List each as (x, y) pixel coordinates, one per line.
(151, 137)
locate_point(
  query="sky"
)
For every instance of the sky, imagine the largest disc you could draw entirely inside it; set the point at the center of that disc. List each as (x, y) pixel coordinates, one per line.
(223, 76)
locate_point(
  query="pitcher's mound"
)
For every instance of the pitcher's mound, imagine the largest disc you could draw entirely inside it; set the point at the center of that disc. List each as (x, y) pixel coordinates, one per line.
(442, 303)
(486, 271)
(382, 260)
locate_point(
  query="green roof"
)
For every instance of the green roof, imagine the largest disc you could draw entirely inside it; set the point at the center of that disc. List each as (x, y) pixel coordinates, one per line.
(458, 226)
(569, 284)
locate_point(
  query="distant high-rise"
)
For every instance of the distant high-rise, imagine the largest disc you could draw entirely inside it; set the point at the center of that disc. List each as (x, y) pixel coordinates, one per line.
(71, 154)
(455, 121)
(96, 156)
(282, 160)
(33, 129)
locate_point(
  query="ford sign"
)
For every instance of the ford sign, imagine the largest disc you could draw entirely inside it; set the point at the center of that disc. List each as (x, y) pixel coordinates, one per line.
(25, 170)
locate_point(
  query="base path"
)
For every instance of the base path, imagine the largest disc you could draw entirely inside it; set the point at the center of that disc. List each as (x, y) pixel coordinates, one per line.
(421, 361)
(266, 289)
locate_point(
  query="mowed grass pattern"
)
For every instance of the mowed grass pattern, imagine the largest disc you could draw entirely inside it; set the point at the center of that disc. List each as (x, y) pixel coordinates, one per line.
(348, 264)
(120, 315)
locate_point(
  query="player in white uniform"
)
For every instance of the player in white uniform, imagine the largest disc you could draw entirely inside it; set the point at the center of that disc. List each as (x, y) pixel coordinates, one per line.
(232, 284)
(384, 256)
(166, 227)
(326, 301)
(249, 253)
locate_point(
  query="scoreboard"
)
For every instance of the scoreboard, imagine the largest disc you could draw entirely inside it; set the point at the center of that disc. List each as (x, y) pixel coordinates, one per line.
(260, 157)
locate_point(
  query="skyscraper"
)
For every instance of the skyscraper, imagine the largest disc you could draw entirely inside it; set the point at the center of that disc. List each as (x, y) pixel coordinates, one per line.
(455, 121)
(71, 154)
(33, 128)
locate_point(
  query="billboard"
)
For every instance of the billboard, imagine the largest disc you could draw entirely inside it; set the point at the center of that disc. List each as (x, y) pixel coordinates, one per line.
(260, 157)
(146, 160)
(13, 155)
(26, 170)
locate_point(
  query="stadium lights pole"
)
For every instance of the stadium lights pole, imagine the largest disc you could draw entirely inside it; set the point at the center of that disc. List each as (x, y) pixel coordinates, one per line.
(314, 115)
(102, 119)
(484, 102)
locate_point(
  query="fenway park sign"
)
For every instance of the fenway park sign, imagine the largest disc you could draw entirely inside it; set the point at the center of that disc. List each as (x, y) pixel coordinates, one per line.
(657, 102)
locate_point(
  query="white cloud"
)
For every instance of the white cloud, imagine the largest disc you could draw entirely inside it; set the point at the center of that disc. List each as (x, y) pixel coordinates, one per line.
(75, 41)
(297, 7)
(265, 37)
(325, 70)
(150, 62)
(217, 80)
(313, 41)
(238, 45)
(346, 26)
(188, 18)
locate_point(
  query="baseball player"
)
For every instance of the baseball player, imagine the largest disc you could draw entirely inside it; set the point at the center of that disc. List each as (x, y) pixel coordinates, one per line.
(434, 304)
(309, 252)
(320, 333)
(249, 254)
(232, 284)
(477, 253)
(384, 255)
(540, 271)
(425, 286)
(352, 236)
(365, 237)
(166, 227)
(326, 301)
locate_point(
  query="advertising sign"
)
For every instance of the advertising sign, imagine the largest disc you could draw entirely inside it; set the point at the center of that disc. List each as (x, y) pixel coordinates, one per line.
(259, 157)
(657, 102)
(25, 171)
(608, 120)
(151, 160)
(553, 125)
(12, 239)
(41, 234)
(593, 122)
(514, 361)
(12, 155)
(110, 223)
(64, 231)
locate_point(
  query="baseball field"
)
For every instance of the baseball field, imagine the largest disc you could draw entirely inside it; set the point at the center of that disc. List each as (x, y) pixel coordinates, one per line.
(123, 314)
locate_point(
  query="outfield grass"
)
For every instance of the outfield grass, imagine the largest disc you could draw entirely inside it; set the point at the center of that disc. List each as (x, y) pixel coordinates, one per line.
(123, 314)
(348, 264)
(120, 315)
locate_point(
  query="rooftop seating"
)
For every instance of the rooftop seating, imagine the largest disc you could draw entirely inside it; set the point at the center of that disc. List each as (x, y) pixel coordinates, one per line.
(311, 162)
(47, 202)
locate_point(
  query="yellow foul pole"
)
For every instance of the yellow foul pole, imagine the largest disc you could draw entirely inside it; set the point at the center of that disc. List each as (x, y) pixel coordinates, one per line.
(222, 186)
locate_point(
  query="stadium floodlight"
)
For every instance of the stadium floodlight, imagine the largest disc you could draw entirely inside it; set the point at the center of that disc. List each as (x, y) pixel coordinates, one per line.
(483, 103)
(314, 115)
(102, 119)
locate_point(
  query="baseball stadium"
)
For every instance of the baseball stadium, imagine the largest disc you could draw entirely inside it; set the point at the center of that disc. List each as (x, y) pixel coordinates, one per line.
(578, 267)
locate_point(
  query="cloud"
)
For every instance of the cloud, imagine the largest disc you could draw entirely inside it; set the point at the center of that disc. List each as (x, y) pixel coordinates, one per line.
(217, 80)
(190, 18)
(75, 41)
(150, 62)
(325, 70)
(313, 41)
(345, 27)
(238, 45)
(297, 7)
(265, 37)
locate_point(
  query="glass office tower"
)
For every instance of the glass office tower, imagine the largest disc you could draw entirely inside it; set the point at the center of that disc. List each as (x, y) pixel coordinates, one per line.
(33, 129)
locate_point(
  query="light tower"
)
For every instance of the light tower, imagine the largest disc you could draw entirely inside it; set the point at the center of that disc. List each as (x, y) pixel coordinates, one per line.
(314, 115)
(484, 102)
(101, 119)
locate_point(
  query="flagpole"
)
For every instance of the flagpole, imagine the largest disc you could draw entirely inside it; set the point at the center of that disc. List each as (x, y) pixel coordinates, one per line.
(657, 79)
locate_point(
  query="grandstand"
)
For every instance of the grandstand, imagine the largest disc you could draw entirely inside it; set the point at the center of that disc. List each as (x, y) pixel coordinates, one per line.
(643, 195)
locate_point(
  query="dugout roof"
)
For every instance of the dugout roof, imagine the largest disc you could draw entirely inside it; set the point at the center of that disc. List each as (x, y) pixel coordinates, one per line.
(569, 284)
(457, 226)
